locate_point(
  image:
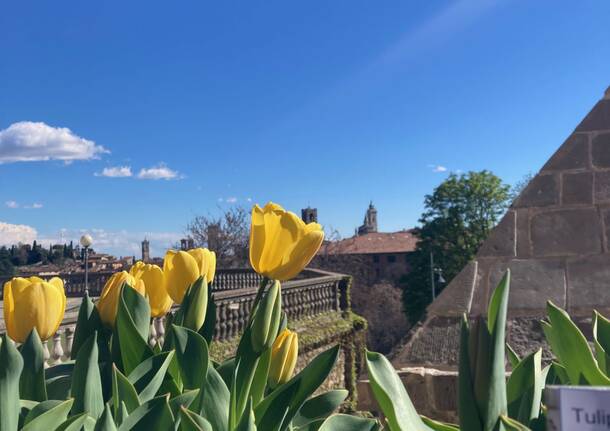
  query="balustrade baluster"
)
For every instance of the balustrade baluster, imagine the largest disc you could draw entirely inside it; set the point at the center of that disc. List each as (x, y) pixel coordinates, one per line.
(58, 350)
(152, 333)
(69, 339)
(45, 353)
(160, 327)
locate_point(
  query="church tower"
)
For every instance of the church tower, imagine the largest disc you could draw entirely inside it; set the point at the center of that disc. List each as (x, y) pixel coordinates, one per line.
(145, 251)
(309, 215)
(370, 221)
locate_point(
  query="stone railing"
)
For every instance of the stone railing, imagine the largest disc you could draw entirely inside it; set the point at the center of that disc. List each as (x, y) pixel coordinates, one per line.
(312, 292)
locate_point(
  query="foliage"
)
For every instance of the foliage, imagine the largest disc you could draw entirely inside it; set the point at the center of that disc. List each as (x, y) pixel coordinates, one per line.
(486, 401)
(226, 234)
(117, 381)
(458, 216)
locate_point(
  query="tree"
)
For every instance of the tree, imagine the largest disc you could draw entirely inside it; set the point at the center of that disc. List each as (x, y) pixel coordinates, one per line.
(458, 216)
(228, 235)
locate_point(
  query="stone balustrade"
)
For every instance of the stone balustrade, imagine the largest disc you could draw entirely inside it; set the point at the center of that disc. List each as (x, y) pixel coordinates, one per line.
(312, 292)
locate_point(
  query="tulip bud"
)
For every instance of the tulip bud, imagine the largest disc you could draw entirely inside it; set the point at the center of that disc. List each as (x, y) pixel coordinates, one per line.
(154, 283)
(195, 304)
(267, 319)
(284, 354)
(108, 303)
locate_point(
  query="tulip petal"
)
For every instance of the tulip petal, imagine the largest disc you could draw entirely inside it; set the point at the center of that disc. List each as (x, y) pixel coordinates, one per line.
(9, 309)
(285, 235)
(300, 256)
(211, 268)
(257, 237)
(181, 270)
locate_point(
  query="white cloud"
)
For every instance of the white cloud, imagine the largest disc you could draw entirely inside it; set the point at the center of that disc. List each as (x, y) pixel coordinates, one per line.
(15, 204)
(27, 141)
(118, 243)
(115, 172)
(15, 233)
(231, 199)
(437, 168)
(159, 172)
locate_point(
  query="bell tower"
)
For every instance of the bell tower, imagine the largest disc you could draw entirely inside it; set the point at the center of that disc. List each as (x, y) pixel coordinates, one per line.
(145, 251)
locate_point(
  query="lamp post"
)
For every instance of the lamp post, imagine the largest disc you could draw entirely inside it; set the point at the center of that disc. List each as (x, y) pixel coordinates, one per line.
(435, 271)
(86, 242)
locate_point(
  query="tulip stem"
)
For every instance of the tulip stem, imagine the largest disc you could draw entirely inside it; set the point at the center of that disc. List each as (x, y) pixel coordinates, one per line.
(257, 298)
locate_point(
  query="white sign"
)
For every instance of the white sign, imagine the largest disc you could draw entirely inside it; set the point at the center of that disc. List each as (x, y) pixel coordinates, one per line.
(573, 408)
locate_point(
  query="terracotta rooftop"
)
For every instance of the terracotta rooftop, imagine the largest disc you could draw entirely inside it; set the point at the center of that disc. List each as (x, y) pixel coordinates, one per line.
(376, 242)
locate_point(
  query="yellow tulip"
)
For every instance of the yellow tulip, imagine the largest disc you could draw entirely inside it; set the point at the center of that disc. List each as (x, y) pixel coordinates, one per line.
(284, 354)
(33, 303)
(281, 244)
(206, 261)
(109, 299)
(154, 283)
(181, 270)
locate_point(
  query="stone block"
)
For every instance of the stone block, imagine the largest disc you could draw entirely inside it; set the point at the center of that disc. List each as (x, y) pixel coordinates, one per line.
(501, 240)
(588, 281)
(532, 283)
(524, 244)
(606, 220)
(602, 187)
(573, 154)
(597, 119)
(542, 190)
(577, 188)
(566, 232)
(600, 150)
(443, 388)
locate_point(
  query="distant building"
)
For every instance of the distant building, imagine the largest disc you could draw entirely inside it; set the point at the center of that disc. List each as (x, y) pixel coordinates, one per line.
(369, 255)
(145, 251)
(309, 215)
(187, 244)
(370, 221)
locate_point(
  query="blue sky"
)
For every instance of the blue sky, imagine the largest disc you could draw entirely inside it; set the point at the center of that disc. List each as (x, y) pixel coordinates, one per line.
(201, 105)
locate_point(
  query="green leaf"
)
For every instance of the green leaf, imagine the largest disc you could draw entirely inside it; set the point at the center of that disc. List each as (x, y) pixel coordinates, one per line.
(467, 406)
(154, 414)
(11, 364)
(497, 312)
(557, 375)
(182, 400)
(601, 337)
(47, 415)
(58, 388)
(131, 329)
(192, 355)
(191, 421)
(524, 389)
(77, 423)
(148, 377)
(86, 380)
(226, 370)
(123, 392)
(513, 357)
(319, 407)
(390, 393)
(105, 422)
(122, 415)
(341, 422)
(32, 381)
(87, 322)
(245, 368)
(261, 375)
(571, 348)
(288, 398)
(247, 422)
(213, 401)
(512, 425)
(440, 426)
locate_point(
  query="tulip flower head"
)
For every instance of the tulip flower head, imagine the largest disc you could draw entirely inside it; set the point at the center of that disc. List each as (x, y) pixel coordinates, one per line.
(108, 303)
(182, 268)
(154, 283)
(284, 354)
(33, 303)
(281, 244)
